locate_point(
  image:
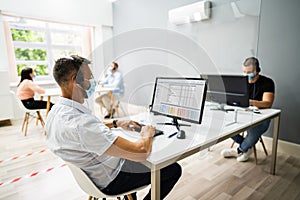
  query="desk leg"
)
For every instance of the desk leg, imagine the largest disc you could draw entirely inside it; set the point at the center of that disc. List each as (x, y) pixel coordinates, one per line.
(37, 119)
(155, 184)
(48, 106)
(274, 145)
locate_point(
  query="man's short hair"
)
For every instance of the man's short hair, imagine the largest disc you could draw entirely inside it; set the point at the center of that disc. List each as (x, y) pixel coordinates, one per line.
(252, 61)
(115, 65)
(64, 68)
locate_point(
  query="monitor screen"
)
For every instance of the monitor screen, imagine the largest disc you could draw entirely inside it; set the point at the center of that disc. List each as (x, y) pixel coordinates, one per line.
(179, 98)
(228, 89)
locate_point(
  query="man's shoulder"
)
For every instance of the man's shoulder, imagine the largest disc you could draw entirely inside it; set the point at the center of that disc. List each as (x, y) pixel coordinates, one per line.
(266, 79)
(118, 73)
(267, 84)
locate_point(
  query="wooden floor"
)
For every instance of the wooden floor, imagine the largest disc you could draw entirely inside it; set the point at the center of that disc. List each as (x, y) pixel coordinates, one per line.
(206, 175)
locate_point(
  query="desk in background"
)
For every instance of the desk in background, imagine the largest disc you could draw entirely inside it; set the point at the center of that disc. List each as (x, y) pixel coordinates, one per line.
(52, 92)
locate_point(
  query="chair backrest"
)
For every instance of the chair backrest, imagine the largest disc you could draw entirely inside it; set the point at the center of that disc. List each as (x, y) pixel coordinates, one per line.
(85, 182)
(89, 187)
(19, 102)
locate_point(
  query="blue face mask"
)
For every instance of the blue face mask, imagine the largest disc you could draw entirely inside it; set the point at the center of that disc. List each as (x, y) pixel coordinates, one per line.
(91, 89)
(251, 76)
(109, 70)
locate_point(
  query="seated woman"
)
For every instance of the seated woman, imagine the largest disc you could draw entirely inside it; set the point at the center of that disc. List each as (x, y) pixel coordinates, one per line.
(26, 90)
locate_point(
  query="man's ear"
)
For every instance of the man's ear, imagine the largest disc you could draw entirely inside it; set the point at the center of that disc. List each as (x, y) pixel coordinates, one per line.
(73, 78)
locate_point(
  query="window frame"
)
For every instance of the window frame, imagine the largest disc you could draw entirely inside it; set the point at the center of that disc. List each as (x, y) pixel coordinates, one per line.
(82, 30)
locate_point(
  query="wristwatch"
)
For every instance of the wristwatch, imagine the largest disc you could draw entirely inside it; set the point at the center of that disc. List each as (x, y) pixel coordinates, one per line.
(115, 123)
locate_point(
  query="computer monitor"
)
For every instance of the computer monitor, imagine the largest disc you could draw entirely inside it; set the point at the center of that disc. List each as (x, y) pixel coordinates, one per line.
(228, 89)
(179, 99)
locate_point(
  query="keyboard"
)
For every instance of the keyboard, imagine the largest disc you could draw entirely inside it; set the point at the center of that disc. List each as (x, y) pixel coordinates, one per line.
(157, 131)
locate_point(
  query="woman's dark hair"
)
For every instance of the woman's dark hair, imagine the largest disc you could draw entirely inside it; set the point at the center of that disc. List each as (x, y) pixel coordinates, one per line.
(25, 74)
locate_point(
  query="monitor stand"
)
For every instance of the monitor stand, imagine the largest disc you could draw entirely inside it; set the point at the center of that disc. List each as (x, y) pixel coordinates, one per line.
(235, 118)
(221, 107)
(180, 133)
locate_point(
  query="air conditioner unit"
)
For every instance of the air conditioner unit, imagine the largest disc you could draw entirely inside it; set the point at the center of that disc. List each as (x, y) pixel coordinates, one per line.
(191, 13)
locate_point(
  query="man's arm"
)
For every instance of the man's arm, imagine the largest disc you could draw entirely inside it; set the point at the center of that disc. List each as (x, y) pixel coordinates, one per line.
(125, 124)
(267, 101)
(136, 151)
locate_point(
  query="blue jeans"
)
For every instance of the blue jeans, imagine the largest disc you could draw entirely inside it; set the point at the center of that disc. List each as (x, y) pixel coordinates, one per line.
(252, 137)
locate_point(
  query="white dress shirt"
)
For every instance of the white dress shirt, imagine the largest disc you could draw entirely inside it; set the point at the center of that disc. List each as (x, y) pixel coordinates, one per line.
(78, 137)
(114, 80)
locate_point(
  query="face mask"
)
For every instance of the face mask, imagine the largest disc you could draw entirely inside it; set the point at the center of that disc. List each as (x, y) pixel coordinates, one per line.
(91, 89)
(251, 76)
(109, 70)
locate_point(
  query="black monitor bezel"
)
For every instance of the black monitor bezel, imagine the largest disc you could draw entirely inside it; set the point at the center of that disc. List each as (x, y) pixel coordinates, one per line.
(176, 117)
(229, 95)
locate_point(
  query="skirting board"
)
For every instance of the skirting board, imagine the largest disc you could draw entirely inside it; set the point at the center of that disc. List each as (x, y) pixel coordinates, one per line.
(283, 146)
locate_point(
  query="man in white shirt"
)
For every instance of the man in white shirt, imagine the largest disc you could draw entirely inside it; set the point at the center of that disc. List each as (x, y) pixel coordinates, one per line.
(114, 79)
(78, 137)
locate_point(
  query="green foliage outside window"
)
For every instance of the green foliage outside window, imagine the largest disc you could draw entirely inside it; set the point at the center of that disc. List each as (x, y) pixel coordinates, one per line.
(40, 70)
(30, 54)
(27, 35)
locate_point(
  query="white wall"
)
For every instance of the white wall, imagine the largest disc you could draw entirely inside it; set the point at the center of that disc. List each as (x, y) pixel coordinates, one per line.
(85, 12)
(218, 45)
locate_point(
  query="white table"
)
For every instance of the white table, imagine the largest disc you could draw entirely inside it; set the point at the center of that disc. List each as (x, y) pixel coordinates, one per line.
(216, 126)
(51, 92)
(100, 89)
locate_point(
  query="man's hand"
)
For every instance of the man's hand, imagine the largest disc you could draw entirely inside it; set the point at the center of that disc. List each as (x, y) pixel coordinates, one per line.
(147, 131)
(125, 124)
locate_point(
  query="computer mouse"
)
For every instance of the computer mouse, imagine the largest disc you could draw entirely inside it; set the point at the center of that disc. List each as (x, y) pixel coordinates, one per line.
(257, 111)
(181, 134)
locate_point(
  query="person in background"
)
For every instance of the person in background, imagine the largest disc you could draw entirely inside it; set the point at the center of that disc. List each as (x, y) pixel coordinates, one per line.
(114, 79)
(27, 88)
(77, 136)
(261, 95)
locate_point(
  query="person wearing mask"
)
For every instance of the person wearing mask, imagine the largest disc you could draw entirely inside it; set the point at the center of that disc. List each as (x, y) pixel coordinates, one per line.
(261, 95)
(27, 88)
(114, 79)
(79, 137)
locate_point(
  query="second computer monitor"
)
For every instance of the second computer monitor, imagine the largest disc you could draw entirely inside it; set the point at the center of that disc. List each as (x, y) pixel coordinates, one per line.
(228, 89)
(179, 98)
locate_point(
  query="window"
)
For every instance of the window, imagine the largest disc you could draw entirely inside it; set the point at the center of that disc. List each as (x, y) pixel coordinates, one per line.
(37, 44)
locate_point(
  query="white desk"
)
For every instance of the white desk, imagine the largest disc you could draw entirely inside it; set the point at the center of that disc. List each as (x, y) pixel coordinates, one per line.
(50, 93)
(214, 128)
(105, 89)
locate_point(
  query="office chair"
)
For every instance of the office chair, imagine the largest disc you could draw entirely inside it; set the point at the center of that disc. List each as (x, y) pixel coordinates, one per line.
(116, 104)
(28, 114)
(90, 188)
(254, 148)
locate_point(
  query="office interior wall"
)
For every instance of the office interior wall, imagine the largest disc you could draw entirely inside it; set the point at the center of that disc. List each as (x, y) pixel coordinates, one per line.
(85, 12)
(278, 50)
(222, 42)
(228, 38)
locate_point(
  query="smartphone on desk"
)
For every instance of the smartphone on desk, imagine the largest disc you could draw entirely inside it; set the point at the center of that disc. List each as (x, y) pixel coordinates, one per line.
(138, 129)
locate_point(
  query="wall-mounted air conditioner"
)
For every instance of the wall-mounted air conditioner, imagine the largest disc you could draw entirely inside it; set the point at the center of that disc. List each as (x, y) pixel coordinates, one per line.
(191, 13)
